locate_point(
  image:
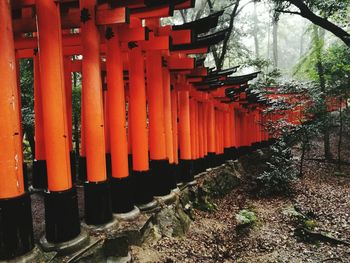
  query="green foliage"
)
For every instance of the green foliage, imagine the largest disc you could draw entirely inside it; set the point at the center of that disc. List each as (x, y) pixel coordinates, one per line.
(246, 218)
(280, 173)
(27, 94)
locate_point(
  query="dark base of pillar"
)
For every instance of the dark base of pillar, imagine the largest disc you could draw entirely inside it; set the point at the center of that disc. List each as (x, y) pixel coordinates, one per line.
(122, 195)
(244, 150)
(161, 174)
(142, 186)
(196, 167)
(39, 178)
(73, 166)
(211, 160)
(172, 182)
(185, 169)
(264, 144)
(109, 165)
(130, 163)
(61, 216)
(25, 176)
(82, 169)
(16, 227)
(98, 209)
(228, 154)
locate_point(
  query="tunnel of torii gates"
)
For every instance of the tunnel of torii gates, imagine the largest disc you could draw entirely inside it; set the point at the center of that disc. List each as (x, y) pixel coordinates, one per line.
(152, 115)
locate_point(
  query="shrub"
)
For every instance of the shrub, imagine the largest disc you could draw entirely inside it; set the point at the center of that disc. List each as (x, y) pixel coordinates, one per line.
(280, 172)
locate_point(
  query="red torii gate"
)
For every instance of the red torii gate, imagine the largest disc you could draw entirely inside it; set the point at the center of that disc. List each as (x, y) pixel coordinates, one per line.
(171, 130)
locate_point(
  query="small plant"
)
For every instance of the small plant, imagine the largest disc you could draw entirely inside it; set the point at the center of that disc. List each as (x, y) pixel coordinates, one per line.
(280, 173)
(310, 224)
(246, 218)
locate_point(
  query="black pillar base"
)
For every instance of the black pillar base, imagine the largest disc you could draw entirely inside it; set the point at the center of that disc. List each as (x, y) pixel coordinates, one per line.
(122, 195)
(98, 209)
(234, 153)
(177, 174)
(196, 167)
(243, 150)
(211, 160)
(227, 154)
(73, 166)
(185, 169)
(61, 216)
(109, 165)
(172, 176)
(142, 186)
(130, 163)
(16, 227)
(161, 174)
(200, 165)
(25, 176)
(82, 169)
(39, 178)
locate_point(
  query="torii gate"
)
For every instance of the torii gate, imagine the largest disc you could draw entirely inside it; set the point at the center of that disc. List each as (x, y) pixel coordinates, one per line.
(175, 126)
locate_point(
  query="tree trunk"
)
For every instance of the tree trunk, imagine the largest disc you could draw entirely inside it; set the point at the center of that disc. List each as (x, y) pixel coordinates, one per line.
(255, 31)
(319, 35)
(340, 135)
(275, 43)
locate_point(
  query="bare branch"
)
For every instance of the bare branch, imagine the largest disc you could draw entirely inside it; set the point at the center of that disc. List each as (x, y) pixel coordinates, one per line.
(287, 12)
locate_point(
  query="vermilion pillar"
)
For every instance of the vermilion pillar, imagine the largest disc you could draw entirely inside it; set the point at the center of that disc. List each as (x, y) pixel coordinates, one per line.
(211, 134)
(159, 163)
(201, 136)
(227, 134)
(122, 197)
(174, 117)
(82, 155)
(185, 136)
(138, 122)
(97, 189)
(193, 132)
(217, 137)
(69, 110)
(233, 133)
(168, 125)
(16, 235)
(61, 206)
(39, 178)
(106, 112)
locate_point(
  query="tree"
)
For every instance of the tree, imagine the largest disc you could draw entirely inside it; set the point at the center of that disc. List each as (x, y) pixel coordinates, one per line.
(255, 32)
(320, 13)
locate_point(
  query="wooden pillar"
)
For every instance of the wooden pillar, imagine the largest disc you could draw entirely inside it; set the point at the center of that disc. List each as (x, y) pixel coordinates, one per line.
(174, 117)
(39, 178)
(159, 163)
(201, 136)
(122, 196)
(227, 134)
(185, 142)
(96, 189)
(211, 134)
(69, 106)
(16, 234)
(168, 125)
(138, 122)
(61, 206)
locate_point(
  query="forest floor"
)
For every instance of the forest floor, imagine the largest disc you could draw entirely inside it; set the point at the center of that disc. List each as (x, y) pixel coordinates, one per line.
(322, 194)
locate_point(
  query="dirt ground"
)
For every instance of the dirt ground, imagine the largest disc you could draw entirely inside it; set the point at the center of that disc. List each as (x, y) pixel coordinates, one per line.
(321, 194)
